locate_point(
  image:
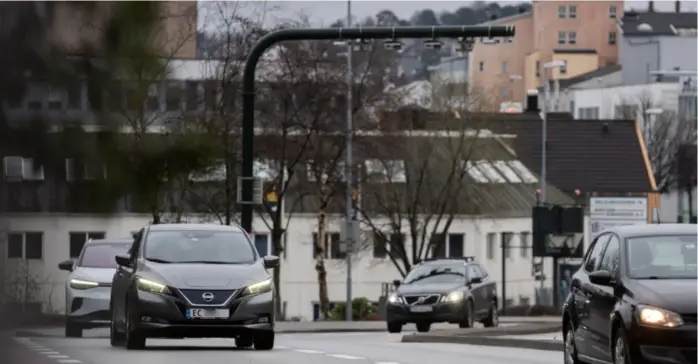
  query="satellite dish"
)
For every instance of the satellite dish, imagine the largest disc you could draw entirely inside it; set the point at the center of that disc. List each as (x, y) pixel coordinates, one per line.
(644, 27)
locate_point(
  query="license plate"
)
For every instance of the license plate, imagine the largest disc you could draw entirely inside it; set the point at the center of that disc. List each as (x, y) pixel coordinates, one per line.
(207, 313)
(421, 308)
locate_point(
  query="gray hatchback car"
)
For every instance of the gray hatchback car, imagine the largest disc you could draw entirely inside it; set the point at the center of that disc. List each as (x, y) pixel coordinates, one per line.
(193, 280)
(88, 289)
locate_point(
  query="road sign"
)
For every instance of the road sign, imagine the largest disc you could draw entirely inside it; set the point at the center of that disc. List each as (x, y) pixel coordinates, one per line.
(608, 212)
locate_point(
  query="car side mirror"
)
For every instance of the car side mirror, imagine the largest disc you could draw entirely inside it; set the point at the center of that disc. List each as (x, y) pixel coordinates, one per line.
(123, 260)
(397, 282)
(66, 265)
(271, 261)
(602, 278)
(475, 280)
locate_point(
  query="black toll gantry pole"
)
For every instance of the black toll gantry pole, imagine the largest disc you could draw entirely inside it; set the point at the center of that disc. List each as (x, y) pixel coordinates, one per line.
(346, 34)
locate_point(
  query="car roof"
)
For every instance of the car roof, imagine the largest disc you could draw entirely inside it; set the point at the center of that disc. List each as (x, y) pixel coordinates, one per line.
(110, 241)
(190, 227)
(449, 261)
(655, 229)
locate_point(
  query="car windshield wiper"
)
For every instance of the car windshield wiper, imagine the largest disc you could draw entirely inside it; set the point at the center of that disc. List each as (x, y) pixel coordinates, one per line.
(433, 275)
(206, 262)
(158, 260)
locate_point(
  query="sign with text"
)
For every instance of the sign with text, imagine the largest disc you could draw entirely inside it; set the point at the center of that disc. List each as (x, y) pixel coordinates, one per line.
(608, 212)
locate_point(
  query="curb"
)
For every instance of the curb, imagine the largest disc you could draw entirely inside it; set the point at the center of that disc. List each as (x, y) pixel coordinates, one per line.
(487, 341)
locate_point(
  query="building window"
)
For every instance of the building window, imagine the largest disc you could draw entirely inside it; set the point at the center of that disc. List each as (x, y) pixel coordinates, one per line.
(561, 37)
(572, 11)
(261, 242)
(507, 238)
(449, 246)
(524, 238)
(25, 245)
(563, 68)
(456, 245)
(505, 91)
(332, 246)
(572, 37)
(626, 112)
(79, 238)
(612, 12)
(562, 11)
(482, 66)
(537, 68)
(491, 245)
(611, 37)
(505, 67)
(589, 113)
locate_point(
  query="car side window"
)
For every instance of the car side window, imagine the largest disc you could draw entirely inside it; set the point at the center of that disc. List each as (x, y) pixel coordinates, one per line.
(473, 272)
(611, 257)
(594, 257)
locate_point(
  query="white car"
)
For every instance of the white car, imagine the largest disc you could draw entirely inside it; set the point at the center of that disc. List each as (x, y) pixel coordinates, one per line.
(88, 289)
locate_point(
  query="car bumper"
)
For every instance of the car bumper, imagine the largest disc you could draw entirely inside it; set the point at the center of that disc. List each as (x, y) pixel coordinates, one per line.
(442, 312)
(89, 308)
(666, 346)
(164, 316)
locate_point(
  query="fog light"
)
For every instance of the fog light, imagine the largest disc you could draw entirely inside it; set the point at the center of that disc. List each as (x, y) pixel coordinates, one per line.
(263, 320)
(146, 319)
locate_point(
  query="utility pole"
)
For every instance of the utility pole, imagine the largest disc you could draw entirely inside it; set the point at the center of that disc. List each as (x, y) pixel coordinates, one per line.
(349, 244)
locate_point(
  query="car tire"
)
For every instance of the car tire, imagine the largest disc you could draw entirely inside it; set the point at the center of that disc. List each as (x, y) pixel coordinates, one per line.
(621, 348)
(469, 316)
(263, 340)
(135, 340)
(394, 327)
(492, 319)
(244, 341)
(570, 347)
(72, 330)
(423, 327)
(116, 338)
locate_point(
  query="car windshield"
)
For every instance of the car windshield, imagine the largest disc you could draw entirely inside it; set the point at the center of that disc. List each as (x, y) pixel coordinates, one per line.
(436, 274)
(101, 255)
(662, 257)
(191, 246)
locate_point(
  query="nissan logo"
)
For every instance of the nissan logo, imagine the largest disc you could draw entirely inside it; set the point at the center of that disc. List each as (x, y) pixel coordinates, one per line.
(208, 296)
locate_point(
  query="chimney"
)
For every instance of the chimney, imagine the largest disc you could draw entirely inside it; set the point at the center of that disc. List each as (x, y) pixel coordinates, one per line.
(650, 7)
(532, 101)
(677, 6)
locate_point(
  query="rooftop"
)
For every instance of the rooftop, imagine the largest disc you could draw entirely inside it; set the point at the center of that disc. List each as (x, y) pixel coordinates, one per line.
(657, 23)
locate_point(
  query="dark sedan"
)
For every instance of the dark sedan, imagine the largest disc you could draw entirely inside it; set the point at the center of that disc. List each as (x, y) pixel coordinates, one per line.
(188, 280)
(634, 299)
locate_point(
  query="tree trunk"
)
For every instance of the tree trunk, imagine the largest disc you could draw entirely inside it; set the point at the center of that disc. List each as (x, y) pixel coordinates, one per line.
(320, 265)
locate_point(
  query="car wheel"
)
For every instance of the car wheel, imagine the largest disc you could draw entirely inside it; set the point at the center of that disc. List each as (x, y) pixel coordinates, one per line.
(135, 340)
(244, 341)
(394, 327)
(492, 319)
(263, 340)
(72, 330)
(469, 316)
(570, 347)
(621, 350)
(423, 327)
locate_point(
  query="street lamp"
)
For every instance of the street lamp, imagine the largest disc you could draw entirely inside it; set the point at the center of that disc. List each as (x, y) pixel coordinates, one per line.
(544, 144)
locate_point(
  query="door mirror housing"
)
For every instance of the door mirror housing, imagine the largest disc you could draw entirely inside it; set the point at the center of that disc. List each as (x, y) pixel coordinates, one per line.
(271, 261)
(123, 260)
(475, 280)
(66, 265)
(602, 278)
(397, 282)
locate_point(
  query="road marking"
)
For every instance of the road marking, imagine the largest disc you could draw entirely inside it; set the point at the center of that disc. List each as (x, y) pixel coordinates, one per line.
(349, 357)
(386, 362)
(59, 356)
(69, 361)
(281, 347)
(304, 351)
(50, 353)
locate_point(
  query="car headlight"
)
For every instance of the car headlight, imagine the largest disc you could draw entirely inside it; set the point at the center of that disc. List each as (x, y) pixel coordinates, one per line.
(258, 288)
(653, 316)
(456, 296)
(393, 298)
(151, 286)
(82, 284)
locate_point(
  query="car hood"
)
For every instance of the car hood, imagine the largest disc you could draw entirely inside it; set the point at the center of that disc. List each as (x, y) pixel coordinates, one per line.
(99, 275)
(440, 288)
(204, 276)
(678, 295)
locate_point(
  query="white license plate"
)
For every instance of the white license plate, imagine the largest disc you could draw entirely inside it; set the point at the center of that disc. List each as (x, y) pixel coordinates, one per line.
(421, 308)
(207, 313)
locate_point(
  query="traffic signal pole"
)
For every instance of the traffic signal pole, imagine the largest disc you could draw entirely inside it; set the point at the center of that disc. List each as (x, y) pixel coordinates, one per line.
(340, 34)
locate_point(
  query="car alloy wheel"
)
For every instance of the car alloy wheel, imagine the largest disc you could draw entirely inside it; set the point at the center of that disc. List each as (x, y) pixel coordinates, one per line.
(570, 349)
(494, 316)
(619, 351)
(469, 312)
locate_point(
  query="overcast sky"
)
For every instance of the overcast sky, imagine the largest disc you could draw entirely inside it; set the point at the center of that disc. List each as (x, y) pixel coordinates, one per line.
(326, 12)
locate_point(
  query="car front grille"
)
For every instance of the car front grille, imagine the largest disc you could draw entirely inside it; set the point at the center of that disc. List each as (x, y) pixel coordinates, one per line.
(689, 318)
(428, 299)
(196, 296)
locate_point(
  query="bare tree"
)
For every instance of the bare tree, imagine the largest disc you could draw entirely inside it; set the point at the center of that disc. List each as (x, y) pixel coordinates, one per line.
(663, 131)
(416, 174)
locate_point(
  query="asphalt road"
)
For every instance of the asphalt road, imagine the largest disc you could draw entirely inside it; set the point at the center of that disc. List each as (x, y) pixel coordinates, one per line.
(335, 348)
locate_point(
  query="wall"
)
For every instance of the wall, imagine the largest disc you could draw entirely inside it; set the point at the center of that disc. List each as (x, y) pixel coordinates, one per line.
(577, 64)
(640, 55)
(663, 95)
(299, 281)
